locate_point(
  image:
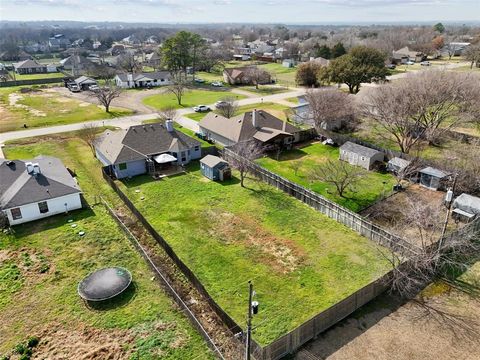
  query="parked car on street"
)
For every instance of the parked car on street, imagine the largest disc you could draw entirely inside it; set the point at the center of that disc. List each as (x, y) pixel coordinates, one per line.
(201, 108)
(391, 66)
(425, 63)
(220, 104)
(217, 84)
(199, 80)
(410, 62)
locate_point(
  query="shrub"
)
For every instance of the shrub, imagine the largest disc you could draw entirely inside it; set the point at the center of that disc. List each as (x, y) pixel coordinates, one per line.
(20, 349)
(32, 341)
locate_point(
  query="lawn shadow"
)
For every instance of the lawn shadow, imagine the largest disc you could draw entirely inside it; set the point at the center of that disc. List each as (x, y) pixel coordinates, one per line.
(117, 302)
(52, 222)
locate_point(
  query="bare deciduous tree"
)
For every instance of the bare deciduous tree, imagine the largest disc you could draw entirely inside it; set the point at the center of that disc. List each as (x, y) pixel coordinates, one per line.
(106, 94)
(257, 76)
(178, 88)
(247, 151)
(167, 113)
(339, 174)
(331, 109)
(410, 110)
(88, 134)
(228, 107)
(295, 166)
(127, 62)
(472, 54)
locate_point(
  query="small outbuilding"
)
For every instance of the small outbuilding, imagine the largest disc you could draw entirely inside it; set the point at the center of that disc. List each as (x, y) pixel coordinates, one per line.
(397, 165)
(466, 207)
(215, 168)
(360, 155)
(432, 178)
(84, 82)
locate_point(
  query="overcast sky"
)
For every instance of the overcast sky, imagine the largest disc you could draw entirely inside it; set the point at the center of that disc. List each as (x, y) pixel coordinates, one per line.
(225, 11)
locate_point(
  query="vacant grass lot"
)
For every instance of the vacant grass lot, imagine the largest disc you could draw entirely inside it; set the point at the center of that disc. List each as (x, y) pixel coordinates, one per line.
(37, 76)
(300, 261)
(265, 89)
(190, 99)
(367, 191)
(46, 108)
(283, 75)
(274, 109)
(41, 264)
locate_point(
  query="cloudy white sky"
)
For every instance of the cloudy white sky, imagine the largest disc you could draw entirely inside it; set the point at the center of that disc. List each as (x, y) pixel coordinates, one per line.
(225, 11)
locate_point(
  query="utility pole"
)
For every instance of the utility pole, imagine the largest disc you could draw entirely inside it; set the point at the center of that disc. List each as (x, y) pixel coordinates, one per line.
(448, 200)
(249, 321)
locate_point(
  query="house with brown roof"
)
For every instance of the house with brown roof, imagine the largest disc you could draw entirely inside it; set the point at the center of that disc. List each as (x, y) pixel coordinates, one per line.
(242, 76)
(29, 67)
(144, 149)
(256, 124)
(405, 54)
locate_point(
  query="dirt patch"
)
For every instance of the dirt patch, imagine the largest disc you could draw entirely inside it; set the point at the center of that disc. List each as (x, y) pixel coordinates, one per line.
(280, 253)
(84, 343)
(13, 100)
(389, 213)
(34, 265)
(405, 333)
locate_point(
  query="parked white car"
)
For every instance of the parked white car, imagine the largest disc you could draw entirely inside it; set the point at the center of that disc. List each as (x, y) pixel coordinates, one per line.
(425, 63)
(200, 81)
(217, 84)
(93, 87)
(201, 108)
(410, 62)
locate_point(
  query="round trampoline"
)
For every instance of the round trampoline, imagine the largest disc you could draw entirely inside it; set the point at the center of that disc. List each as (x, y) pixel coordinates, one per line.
(104, 284)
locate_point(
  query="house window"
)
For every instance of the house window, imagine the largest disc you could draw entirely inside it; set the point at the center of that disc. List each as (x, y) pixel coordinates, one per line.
(197, 148)
(363, 158)
(16, 213)
(43, 207)
(122, 166)
(188, 152)
(183, 156)
(162, 80)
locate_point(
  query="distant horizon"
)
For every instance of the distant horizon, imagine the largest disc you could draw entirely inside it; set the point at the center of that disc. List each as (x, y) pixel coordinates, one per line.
(299, 12)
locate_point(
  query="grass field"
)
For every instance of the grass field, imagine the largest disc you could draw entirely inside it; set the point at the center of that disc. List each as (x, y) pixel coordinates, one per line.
(46, 108)
(300, 261)
(38, 76)
(42, 263)
(265, 89)
(367, 191)
(191, 98)
(275, 109)
(283, 75)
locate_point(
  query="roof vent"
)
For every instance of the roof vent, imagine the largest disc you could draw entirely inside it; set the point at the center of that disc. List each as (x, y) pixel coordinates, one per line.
(36, 169)
(10, 163)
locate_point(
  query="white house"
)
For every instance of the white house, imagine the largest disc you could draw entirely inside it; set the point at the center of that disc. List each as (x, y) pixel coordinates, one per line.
(35, 189)
(157, 78)
(144, 149)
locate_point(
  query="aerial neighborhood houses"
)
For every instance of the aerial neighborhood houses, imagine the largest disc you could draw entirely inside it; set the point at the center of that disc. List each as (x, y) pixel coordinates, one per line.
(35, 189)
(245, 76)
(29, 67)
(256, 125)
(144, 79)
(404, 55)
(145, 149)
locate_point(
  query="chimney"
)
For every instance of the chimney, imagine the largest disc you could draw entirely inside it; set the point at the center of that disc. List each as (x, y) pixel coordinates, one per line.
(130, 82)
(36, 169)
(169, 125)
(254, 118)
(284, 126)
(29, 167)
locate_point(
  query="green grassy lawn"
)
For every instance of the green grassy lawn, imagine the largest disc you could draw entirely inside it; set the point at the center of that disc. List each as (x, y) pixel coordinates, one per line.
(37, 76)
(265, 89)
(191, 98)
(300, 261)
(275, 109)
(42, 262)
(47, 108)
(293, 100)
(367, 191)
(283, 75)
(210, 76)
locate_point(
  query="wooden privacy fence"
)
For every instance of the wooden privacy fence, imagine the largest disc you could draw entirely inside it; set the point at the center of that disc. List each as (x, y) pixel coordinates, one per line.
(334, 211)
(227, 320)
(31, 82)
(164, 281)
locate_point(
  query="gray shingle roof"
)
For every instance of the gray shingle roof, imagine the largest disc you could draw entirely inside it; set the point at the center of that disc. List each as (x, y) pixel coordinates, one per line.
(146, 76)
(433, 172)
(468, 203)
(140, 141)
(359, 149)
(240, 128)
(19, 188)
(212, 161)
